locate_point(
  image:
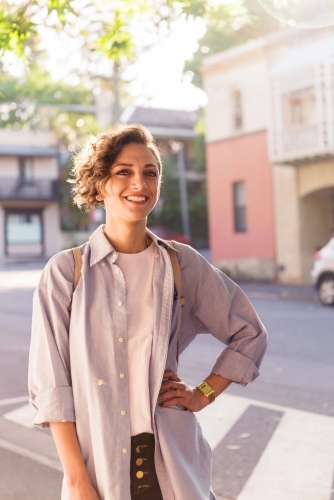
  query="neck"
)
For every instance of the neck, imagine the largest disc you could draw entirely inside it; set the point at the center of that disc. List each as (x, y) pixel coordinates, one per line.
(126, 237)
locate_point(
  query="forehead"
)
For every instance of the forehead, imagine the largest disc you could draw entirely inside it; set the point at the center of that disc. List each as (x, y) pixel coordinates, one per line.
(137, 153)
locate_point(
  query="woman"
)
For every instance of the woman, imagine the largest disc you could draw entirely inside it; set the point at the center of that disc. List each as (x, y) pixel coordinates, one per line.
(104, 377)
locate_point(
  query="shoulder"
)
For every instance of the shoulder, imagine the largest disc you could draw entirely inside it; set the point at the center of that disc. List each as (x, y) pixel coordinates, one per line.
(195, 268)
(58, 273)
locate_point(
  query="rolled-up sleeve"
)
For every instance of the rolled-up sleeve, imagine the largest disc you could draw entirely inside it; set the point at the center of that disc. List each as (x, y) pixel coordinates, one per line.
(49, 377)
(218, 306)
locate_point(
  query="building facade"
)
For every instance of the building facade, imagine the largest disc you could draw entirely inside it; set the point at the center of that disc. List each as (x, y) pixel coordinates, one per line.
(29, 195)
(270, 153)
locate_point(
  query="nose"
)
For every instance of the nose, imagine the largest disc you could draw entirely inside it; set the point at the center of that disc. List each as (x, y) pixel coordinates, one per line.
(139, 181)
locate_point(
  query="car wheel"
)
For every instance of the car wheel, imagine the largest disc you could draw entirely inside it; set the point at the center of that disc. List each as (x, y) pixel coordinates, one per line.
(326, 290)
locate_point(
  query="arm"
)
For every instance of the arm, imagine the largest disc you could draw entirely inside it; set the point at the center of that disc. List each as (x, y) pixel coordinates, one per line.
(67, 444)
(216, 305)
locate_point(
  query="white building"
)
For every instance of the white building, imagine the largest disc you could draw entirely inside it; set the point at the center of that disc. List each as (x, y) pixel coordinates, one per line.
(29, 194)
(270, 150)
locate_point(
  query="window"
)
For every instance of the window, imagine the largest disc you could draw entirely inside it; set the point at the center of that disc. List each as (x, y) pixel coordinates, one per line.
(24, 232)
(239, 203)
(26, 170)
(299, 108)
(237, 110)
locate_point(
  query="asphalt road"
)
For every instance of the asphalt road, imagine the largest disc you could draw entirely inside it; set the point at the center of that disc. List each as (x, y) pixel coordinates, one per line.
(294, 394)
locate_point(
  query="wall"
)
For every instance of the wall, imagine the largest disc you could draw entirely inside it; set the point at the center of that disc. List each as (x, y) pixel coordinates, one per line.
(45, 168)
(287, 223)
(9, 167)
(51, 221)
(36, 138)
(316, 221)
(241, 159)
(248, 76)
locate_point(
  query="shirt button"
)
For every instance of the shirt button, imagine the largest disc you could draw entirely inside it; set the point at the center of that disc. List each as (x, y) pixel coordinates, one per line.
(115, 255)
(121, 339)
(121, 375)
(120, 303)
(123, 412)
(116, 270)
(124, 450)
(103, 264)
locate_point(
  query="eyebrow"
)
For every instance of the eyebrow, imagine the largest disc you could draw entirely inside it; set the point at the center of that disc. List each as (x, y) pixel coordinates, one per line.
(131, 165)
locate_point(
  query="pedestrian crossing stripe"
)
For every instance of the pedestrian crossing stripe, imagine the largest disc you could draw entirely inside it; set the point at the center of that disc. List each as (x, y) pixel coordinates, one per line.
(298, 461)
(296, 464)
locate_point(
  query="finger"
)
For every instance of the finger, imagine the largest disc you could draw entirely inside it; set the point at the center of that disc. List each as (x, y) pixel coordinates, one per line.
(172, 375)
(173, 402)
(166, 396)
(170, 384)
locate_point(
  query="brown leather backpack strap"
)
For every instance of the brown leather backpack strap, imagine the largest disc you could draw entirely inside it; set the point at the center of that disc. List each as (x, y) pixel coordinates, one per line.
(77, 268)
(178, 280)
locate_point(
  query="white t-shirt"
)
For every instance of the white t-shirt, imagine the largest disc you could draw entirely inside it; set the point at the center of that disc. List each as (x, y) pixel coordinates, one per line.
(138, 269)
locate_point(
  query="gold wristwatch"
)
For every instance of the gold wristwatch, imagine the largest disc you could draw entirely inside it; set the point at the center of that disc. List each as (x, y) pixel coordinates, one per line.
(207, 391)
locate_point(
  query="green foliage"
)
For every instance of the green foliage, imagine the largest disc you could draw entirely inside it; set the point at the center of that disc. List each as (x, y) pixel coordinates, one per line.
(31, 101)
(116, 39)
(110, 31)
(15, 30)
(61, 8)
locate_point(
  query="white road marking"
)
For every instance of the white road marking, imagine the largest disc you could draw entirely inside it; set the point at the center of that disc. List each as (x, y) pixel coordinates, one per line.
(217, 419)
(23, 416)
(298, 461)
(13, 401)
(30, 454)
(15, 280)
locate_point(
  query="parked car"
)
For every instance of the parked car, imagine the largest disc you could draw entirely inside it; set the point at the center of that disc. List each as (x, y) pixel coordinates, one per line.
(169, 234)
(323, 273)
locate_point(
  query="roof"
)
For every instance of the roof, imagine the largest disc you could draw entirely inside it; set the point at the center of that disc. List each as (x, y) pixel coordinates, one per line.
(44, 151)
(171, 123)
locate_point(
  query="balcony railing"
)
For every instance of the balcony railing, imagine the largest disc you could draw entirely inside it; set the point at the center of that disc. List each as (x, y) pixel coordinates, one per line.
(18, 189)
(312, 141)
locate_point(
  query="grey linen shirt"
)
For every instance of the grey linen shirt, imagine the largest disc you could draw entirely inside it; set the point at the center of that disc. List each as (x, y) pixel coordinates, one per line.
(78, 365)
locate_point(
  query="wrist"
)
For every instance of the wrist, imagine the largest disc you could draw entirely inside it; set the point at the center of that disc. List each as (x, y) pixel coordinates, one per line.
(78, 479)
(204, 401)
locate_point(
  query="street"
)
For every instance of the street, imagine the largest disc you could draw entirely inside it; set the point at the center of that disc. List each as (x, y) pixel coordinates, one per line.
(271, 440)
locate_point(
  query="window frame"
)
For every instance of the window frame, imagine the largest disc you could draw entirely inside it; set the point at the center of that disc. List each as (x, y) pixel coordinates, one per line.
(239, 208)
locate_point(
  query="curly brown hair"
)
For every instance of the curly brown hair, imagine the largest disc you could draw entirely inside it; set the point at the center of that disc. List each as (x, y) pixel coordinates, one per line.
(91, 166)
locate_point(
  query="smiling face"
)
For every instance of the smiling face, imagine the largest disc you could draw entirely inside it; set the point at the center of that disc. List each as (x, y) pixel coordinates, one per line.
(134, 184)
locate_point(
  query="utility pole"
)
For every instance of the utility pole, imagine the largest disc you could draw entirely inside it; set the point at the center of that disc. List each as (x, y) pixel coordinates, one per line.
(116, 106)
(183, 189)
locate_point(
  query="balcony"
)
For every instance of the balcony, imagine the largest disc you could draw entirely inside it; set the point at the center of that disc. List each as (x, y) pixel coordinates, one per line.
(18, 189)
(302, 113)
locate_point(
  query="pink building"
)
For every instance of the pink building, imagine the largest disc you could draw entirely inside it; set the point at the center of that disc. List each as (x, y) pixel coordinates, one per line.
(270, 153)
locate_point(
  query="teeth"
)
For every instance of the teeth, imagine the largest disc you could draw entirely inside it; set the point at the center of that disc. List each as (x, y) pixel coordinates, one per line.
(136, 198)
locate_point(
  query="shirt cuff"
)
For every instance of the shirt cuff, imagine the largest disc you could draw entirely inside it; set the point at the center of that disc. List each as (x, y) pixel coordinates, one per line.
(55, 405)
(235, 366)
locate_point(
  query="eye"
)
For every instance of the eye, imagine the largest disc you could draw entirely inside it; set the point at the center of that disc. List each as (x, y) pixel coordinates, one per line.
(152, 173)
(122, 172)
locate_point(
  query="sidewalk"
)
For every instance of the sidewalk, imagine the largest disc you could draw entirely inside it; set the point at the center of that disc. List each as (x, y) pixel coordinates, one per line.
(278, 291)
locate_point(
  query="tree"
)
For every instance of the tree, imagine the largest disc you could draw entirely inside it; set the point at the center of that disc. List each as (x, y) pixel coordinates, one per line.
(221, 35)
(104, 28)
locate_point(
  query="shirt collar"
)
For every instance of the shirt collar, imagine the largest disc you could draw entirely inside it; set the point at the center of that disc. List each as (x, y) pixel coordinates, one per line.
(101, 247)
